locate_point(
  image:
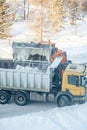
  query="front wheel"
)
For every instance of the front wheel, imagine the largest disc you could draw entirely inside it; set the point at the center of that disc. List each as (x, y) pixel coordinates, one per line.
(4, 97)
(20, 98)
(63, 101)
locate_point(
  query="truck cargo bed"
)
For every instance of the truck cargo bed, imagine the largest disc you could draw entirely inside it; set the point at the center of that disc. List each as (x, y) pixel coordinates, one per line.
(24, 80)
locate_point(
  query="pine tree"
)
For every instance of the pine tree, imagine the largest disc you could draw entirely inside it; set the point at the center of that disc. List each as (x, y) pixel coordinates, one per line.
(40, 21)
(4, 20)
(50, 18)
(57, 15)
(73, 11)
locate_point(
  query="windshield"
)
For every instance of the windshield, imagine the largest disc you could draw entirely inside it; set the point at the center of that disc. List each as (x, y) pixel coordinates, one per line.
(83, 81)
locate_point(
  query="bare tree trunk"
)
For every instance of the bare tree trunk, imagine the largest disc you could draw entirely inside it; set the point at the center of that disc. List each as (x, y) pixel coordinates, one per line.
(24, 10)
(28, 11)
(41, 32)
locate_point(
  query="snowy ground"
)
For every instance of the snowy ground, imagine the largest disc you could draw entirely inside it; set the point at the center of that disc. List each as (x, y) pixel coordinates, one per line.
(43, 115)
(67, 118)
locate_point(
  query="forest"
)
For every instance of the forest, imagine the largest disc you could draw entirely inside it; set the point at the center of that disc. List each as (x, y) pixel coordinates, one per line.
(44, 17)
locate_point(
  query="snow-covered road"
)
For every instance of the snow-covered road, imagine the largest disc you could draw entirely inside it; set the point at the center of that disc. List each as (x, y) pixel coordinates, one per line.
(11, 109)
(67, 118)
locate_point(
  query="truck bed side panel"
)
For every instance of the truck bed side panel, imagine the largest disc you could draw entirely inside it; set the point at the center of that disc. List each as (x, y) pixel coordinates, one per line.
(25, 80)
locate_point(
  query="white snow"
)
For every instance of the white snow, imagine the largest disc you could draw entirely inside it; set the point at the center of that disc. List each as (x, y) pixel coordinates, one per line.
(19, 67)
(43, 116)
(71, 37)
(77, 54)
(67, 118)
(18, 28)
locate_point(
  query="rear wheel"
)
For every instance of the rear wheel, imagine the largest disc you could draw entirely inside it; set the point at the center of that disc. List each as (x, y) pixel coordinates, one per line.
(63, 101)
(4, 97)
(20, 98)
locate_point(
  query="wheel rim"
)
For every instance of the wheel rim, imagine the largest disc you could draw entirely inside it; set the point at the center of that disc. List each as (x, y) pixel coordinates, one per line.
(21, 99)
(62, 102)
(3, 99)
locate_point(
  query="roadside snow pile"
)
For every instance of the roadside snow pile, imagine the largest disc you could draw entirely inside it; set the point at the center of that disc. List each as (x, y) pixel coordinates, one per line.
(67, 118)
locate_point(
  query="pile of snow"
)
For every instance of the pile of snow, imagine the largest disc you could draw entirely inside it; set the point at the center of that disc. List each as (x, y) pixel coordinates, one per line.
(19, 67)
(68, 118)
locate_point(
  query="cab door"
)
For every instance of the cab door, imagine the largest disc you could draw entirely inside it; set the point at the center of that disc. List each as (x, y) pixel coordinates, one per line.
(73, 85)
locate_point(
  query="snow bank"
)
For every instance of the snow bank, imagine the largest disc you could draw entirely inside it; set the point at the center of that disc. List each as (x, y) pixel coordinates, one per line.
(67, 118)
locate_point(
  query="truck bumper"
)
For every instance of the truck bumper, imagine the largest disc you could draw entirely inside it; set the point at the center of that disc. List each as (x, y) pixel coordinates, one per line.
(80, 100)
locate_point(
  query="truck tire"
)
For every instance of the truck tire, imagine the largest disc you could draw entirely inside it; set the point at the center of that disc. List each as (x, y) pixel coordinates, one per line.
(4, 97)
(63, 101)
(20, 98)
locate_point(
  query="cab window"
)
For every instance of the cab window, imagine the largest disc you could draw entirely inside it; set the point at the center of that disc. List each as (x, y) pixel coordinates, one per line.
(82, 81)
(74, 80)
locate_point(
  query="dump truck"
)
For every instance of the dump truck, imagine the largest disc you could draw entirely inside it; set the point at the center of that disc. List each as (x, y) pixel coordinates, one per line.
(20, 83)
(39, 68)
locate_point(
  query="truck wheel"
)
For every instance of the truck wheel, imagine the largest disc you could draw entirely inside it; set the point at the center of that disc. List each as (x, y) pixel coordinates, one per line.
(20, 98)
(4, 97)
(63, 101)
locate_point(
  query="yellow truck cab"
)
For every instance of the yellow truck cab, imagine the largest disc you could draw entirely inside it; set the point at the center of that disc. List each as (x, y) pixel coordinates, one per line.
(73, 85)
